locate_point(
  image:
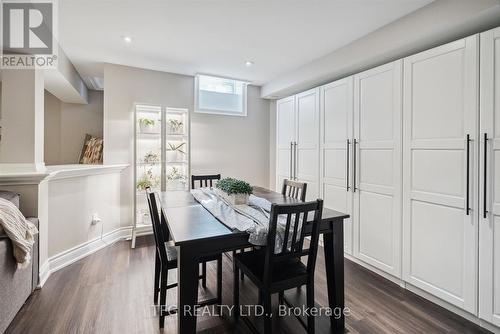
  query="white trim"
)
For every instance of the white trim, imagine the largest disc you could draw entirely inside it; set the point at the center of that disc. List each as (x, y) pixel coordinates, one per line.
(67, 257)
(69, 171)
(375, 270)
(198, 110)
(8, 176)
(43, 273)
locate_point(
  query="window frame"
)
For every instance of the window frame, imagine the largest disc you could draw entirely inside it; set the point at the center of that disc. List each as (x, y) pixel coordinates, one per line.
(219, 112)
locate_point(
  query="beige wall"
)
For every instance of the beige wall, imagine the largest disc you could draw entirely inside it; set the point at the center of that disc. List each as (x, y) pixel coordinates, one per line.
(52, 144)
(233, 146)
(66, 125)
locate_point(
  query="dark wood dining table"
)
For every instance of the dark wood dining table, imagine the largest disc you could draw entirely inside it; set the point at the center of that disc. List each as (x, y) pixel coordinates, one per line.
(196, 233)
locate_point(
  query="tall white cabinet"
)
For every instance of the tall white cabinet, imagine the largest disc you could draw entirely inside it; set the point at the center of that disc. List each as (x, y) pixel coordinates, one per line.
(489, 180)
(298, 141)
(336, 152)
(440, 171)
(377, 165)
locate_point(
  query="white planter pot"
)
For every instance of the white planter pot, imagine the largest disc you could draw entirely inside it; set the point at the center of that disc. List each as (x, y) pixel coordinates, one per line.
(174, 156)
(147, 128)
(176, 130)
(233, 199)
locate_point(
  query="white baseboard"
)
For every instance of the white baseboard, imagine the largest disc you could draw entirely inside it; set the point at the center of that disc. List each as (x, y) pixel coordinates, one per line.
(74, 254)
(43, 273)
(377, 271)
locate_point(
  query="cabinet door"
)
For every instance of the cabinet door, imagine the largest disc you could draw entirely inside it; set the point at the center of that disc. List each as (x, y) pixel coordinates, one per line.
(307, 138)
(335, 157)
(377, 196)
(440, 109)
(489, 226)
(285, 136)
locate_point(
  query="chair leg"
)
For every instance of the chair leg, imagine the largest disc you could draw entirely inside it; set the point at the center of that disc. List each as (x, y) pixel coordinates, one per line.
(310, 305)
(242, 274)
(236, 291)
(163, 294)
(268, 325)
(156, 288)
(204, 275)
(281, 297)
(219, 279)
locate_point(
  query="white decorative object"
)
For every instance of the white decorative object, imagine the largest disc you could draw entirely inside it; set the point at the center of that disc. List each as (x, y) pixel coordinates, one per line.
(147, 128)
(233, 199)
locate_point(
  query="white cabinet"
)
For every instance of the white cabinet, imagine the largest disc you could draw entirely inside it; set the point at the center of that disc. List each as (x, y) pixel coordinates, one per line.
(307, 142)
(440, 208)
(489, 179)
(377, 164)
(285, 138)
(335, 157)
(297, 138)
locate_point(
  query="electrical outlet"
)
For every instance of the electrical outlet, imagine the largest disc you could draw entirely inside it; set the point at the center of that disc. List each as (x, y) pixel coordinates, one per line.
(95, 219)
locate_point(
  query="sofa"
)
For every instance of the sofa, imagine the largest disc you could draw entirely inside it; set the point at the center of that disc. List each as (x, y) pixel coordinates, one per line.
(16, 285)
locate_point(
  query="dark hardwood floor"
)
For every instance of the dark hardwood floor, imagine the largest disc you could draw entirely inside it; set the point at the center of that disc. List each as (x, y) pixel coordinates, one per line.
(111, 292)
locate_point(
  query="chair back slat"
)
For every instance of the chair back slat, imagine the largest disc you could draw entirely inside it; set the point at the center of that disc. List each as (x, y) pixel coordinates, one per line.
(292, 248)
(294, 189)
(284, 248)
(296, 223)
(204, 180)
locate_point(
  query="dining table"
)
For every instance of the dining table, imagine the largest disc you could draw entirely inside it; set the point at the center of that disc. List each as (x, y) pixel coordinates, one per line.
(197, 233)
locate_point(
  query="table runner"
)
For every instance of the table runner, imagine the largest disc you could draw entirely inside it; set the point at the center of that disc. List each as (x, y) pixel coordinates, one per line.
(252, 218)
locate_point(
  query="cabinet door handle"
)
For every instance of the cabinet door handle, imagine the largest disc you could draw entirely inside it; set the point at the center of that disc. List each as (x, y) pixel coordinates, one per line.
(354, 142)
(485, 175)
(291, 159)
(295, 162)
(467, 207)
(347, 163)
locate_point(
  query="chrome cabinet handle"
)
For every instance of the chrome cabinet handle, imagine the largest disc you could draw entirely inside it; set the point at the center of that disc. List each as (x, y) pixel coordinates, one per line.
(347, 168)
(485, 174)
(295, 162)
(354, 142)
(467, 207)
(291, 160)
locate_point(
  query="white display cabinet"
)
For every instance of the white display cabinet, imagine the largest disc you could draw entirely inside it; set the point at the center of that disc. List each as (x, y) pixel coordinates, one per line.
(161, 157)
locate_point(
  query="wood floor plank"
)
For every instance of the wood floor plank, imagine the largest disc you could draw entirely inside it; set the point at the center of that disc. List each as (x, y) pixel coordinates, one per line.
(111, 292)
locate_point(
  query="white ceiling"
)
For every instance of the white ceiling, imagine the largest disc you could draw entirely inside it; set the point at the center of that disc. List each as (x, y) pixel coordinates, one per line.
(217, 36)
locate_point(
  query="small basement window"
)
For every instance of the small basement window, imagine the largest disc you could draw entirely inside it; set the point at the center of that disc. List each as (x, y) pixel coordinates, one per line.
(215, 95)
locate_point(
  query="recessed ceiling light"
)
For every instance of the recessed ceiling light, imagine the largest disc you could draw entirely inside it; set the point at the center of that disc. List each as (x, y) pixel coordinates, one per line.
(248, 63)
(127, 39)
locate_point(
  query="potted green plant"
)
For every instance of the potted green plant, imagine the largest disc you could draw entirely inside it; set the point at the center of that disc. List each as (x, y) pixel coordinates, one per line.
(151, 158)
(147, 125)
(175, 179)
(175, 152)
(143, 182)
(175, 126)
(234, 191)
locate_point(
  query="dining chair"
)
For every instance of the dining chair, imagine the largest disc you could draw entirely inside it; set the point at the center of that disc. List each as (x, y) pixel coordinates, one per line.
(204, 180)
(166, 259)
(276, 271)
(294, 189)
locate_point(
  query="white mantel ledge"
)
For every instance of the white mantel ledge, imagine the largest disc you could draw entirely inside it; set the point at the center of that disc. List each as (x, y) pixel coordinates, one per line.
(57, 172)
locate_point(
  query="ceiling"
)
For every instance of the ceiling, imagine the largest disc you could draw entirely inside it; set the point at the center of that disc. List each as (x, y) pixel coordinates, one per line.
(217, 36)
